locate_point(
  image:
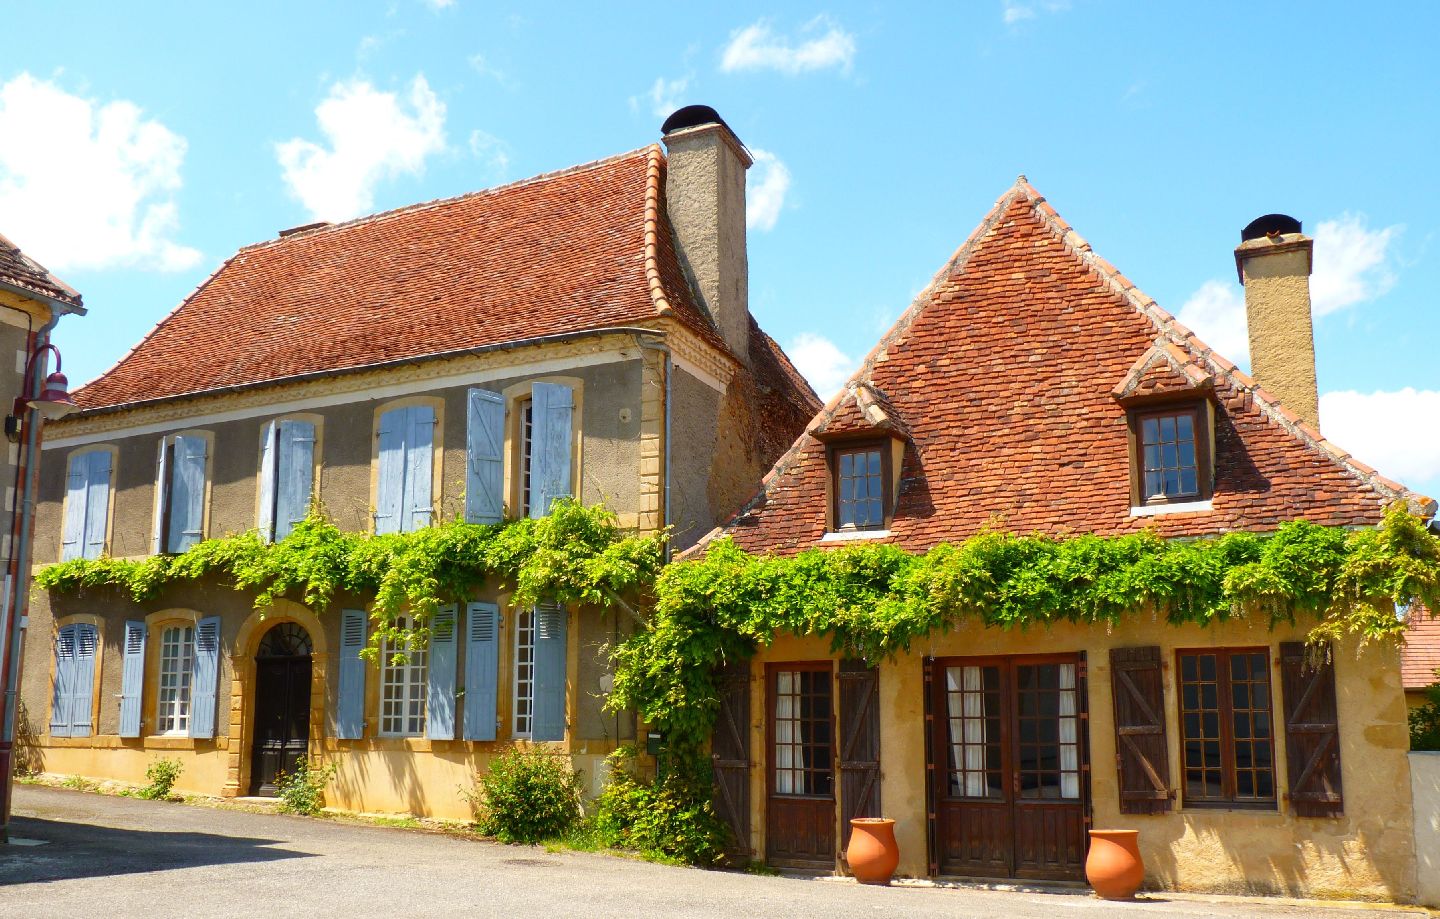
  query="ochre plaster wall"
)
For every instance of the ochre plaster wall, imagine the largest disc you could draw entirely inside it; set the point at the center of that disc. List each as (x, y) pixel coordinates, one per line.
(609, 453)
(1367, 853)
(407, 775)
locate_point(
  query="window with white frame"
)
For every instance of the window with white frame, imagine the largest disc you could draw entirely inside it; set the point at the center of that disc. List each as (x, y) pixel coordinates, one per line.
(524, 673)
(177, 664)
(402, 686)
(527, 448)
(287, 475)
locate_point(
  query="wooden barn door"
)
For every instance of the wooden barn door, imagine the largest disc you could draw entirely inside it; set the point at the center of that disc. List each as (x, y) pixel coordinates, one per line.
(730, 757)
(1009, 766)
(859, 744)
(800, 773)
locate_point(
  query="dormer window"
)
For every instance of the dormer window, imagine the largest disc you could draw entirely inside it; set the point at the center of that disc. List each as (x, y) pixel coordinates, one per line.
(861, 481)
(1172, 462)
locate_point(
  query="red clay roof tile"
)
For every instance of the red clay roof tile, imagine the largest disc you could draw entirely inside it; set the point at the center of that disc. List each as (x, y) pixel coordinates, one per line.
(586, 248)
(20, 270)
(1420, 660)
(1004, 370)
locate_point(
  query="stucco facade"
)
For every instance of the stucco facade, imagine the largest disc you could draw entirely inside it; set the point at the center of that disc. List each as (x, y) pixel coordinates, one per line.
(1368, 853)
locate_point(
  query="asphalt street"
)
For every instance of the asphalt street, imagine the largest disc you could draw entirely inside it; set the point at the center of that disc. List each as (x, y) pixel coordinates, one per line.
(117, 857)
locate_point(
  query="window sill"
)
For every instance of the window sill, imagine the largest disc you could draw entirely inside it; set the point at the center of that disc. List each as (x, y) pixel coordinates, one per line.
(852, 535)
(1176, 507)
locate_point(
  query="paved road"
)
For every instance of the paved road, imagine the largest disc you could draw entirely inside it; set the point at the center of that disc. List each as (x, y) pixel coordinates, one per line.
(116, 857)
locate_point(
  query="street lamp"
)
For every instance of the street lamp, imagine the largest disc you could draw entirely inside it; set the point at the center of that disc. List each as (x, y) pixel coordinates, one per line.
(53, 402)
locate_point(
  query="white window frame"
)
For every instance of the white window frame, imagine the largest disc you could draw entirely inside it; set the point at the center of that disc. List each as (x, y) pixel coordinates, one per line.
(525, 409)
(403, 687)
(174, 703)
(523, 685)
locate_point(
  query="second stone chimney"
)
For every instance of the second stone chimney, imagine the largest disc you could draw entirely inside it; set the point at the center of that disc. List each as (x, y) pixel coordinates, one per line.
(1274, 261)
(705, 199)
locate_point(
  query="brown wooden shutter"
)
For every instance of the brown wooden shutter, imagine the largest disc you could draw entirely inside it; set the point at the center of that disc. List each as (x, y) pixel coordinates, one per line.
(1312, 731)
(730, 757)
(859, 744)
(1142, 755)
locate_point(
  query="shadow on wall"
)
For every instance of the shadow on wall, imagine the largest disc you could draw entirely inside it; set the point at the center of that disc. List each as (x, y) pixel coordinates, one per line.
(29, 756)
(86, 850)
(1268, 868)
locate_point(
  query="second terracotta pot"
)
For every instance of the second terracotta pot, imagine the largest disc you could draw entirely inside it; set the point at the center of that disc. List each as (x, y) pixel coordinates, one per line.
(1114, 867)
(872, 853)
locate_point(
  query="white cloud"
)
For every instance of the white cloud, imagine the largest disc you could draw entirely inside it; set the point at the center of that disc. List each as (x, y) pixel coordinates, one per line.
(1216, 313)
(757, 47)
(765, 193)
(85, 185)
(1014, 11)
(663, 97)
(821, 362)
(1352, 263)
(1392, 431)
(439, 4)
(492, 151)
(372, 135)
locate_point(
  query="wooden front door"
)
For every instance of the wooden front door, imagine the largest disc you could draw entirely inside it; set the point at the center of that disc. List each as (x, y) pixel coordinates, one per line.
(282, 705)
(1009, 766)
(800, 806)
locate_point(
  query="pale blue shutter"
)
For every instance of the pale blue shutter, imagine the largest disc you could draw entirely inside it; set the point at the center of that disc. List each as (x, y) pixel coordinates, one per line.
(187, 493)
(440, 701)
(482, 669)
(552, 406)
(97, 502)
(268, 459)
(64, 679)
(485, 457)
(550, 665)
(350, 709)
(419, 468)
(390, 471)
(132, 678)
(77, 482)
(162, 496)
(204, 683)
(296, 475)
(82, 688)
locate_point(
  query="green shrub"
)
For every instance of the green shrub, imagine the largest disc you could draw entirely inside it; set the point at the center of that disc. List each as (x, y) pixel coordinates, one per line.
(302, 790)
(526, 796)
(78, 783)
(1425, 722)
(163, 773)
(670, 816)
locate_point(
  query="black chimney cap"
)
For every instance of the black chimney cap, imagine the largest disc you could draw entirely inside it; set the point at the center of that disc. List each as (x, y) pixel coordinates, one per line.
(693, 116)
(1269, 225)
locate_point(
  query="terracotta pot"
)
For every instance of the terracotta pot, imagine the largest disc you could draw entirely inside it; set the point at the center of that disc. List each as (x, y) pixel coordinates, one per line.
(1113, 866)
(873, 852)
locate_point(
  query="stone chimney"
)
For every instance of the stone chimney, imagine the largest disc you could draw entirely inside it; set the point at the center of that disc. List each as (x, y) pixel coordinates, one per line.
(705, 198)
(1274, 260)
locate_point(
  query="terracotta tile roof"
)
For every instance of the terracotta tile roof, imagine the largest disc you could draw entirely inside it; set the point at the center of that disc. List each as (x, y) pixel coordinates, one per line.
(586, 248)
(20, 270)
(1005, 371)
(863, 410)
(1421, 657)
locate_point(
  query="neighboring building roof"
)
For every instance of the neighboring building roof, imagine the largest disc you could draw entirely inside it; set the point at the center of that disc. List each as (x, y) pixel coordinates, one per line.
(1009, 371)
(20, 270)
(583, 249)
(1420, 659)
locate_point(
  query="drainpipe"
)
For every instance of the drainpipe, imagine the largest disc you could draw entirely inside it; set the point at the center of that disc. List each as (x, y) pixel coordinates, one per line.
(669, 367)
(20, 582)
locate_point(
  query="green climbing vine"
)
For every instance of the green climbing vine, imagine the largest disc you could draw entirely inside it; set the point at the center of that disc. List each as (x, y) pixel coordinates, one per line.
(872, 601)
(575, 554)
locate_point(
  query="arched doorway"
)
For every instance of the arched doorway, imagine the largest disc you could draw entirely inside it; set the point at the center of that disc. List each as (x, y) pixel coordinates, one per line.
(282, 705)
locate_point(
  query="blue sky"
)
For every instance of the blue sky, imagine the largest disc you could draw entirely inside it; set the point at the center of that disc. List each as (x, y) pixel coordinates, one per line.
(141, 145)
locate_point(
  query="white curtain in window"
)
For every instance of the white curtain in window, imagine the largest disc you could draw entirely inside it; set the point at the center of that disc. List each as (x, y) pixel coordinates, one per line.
(786, 773)
(1069, 738)
(974, 732)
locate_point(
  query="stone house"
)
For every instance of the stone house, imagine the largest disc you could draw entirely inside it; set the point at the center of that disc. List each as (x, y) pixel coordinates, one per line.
(584, 332)
(32, 301)
(1033, 385)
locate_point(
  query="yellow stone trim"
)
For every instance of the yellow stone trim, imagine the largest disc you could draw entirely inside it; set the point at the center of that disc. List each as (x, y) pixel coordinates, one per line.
(652, 438)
